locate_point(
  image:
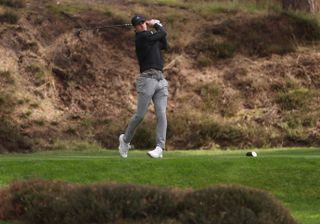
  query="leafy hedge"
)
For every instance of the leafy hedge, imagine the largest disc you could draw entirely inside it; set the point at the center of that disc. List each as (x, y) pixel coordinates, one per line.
(39, 201)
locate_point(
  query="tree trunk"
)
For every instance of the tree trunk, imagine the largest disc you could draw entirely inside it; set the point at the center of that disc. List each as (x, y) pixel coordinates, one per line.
(311, 6)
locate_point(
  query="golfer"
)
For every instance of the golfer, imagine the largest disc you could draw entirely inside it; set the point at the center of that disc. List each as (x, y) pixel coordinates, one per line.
(150, 85)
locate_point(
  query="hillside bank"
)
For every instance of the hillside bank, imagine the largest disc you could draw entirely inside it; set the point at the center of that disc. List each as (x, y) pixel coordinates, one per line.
(237, 78)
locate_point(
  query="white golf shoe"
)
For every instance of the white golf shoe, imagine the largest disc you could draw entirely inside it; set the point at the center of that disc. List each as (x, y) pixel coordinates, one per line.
(123, 147)
(156, 153)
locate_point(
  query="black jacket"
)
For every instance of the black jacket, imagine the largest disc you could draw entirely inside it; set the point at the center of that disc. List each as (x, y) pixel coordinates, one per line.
(148, 48)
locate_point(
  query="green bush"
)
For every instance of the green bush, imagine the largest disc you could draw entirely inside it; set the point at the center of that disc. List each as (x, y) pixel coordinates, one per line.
(38, 201)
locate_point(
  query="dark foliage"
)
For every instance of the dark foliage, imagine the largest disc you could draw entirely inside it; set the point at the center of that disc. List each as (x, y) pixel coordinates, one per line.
(11, 139)
(9, 17)
(38, 201)
(225, 204)
(257, 36)
(13, 3)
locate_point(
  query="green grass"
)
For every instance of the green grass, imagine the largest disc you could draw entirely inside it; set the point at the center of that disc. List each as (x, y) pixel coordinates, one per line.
(69, 8)
(292, 175)
(210, 8)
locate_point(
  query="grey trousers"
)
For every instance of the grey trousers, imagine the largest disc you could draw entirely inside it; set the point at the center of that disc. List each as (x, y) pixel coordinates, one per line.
(155, 89)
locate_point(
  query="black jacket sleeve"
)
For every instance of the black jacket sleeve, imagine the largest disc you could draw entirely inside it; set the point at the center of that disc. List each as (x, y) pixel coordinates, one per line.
(159, 35)
(163, 40)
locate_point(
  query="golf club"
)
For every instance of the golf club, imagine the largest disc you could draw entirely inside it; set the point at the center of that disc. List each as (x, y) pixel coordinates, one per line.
(126, 25)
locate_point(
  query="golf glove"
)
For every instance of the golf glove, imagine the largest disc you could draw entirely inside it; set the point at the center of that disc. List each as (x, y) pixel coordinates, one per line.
(157, 22)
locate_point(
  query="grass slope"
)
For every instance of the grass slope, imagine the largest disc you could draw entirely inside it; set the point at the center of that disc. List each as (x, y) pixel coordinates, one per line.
(292, 174)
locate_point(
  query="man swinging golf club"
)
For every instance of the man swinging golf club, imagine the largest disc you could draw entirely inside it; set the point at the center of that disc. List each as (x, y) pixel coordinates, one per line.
(150, 85)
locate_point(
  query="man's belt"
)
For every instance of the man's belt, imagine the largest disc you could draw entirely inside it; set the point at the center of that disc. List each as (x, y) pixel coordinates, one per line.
(153, 74)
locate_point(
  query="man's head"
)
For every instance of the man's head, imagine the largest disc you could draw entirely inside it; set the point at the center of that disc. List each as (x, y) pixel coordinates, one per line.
(139, 23)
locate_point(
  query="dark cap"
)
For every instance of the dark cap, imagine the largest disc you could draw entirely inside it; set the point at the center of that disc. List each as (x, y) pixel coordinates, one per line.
(137, 20)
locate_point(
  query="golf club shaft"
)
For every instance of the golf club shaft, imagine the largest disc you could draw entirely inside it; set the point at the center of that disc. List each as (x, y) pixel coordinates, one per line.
(106, 27)
(78, 32)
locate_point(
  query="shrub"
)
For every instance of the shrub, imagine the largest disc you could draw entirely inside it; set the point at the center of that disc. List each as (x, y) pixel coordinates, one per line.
(175, 22)
(192, 131)
(21, 196)
(295, 99)
(225, 204)
(6, 76)
(297, 137)
(300, 128)
(13, 3)
(33, 46)
(210, 94)
(25, 115)
(37, 74)
(48, 202)
(111, 130)
(204, 60)
(261, 135)
(223, 50)
(10, 136)
(7, 103)
(69, 8)
(11, 139)
(263, 35)
(117, 16)
(9, 17)
(305, 26)
(214, 49)
(223, 134)
(38, 201)
(145, 135)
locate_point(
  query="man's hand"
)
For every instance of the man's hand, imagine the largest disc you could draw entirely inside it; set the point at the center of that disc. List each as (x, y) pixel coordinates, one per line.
(152, 22)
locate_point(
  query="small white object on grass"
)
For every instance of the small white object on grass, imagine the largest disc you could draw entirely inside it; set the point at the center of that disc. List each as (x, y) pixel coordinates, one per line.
(252, 154)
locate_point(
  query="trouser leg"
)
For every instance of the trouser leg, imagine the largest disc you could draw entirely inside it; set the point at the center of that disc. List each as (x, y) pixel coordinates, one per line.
(143, 103)
(160, 104)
